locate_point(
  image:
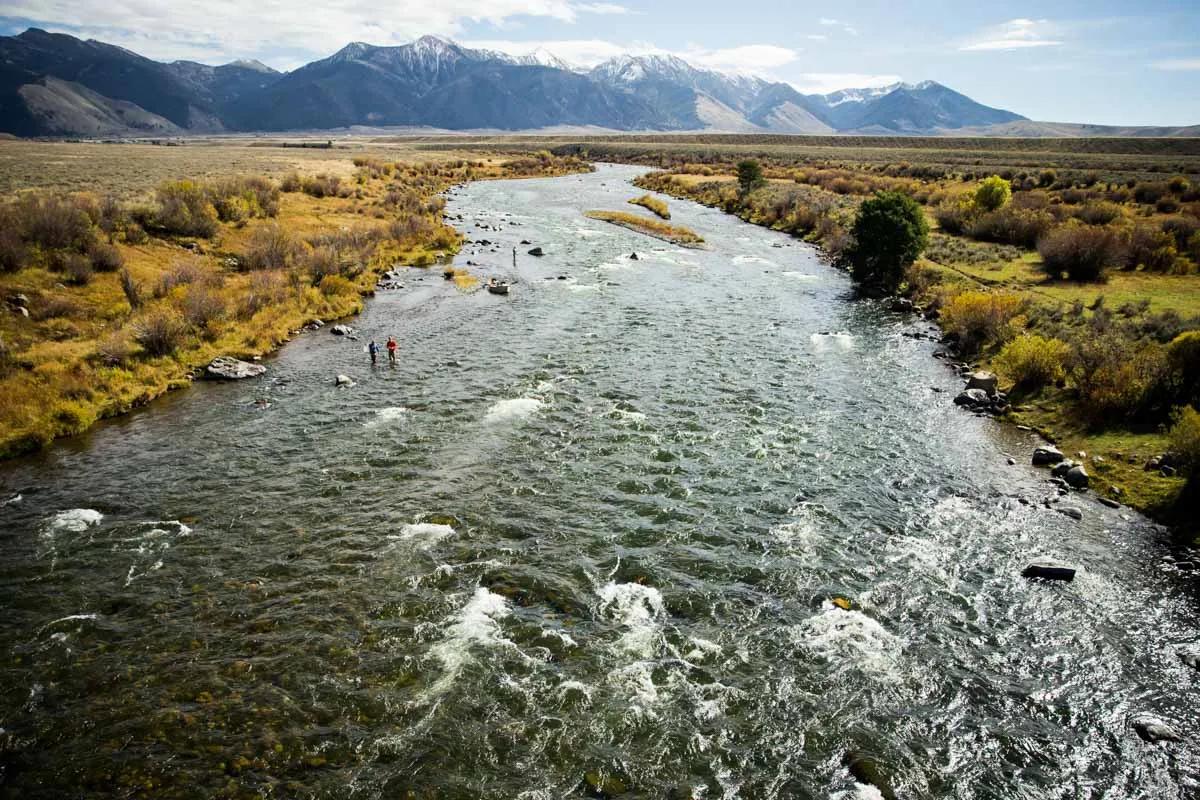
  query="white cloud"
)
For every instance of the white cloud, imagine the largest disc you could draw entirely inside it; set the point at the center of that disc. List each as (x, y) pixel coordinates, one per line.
(826, 82)
(1179, 65)
(752, 58)
(1016, 34)
(828, 22)
(816, 37)
(275, 30)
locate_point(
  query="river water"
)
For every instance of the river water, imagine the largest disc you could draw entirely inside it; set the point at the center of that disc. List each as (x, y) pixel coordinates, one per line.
(583, 540)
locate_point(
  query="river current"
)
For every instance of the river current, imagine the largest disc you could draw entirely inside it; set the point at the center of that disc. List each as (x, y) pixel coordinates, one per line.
(584, 540)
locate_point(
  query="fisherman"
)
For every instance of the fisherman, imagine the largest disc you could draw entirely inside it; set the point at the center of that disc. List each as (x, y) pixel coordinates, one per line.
(391, 348)
(514, 256)
(373, 349)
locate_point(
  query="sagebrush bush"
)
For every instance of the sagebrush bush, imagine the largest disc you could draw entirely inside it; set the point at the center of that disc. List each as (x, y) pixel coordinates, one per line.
(132, 290)
(1032, 361)
(106, 258)
(1009, 225)
(271, 246)
(1117, 378)
(1184, 435)
(180, 273)
(1183, 359)
(1181, 229)
(115, 349)
(184, 209)
(336, 284)
(76, 268)
(980, 318)
(159, 332)
(53, 223)
(202, 307)
(13, 252)
(263, 288)
(53, 307)
(1150, 249)
(1099, 212)
(1082, 252)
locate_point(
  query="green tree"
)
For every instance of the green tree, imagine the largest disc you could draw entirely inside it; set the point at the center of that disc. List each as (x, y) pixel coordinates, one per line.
(993, 194)
(889, 234)
(750, 176)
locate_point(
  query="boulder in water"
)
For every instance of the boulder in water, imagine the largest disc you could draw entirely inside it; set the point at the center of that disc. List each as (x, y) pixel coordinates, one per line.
(1154, 729)
(987, 381)
(1070, 511)
(1190, 654)
(1077, 476)
(972, 398)
(225, 368)
(1050, 570)
(340, 330)
(343, 380)
(902, 305)
(634, 257)
(1047, 454)
(537, 251)
(868, 771)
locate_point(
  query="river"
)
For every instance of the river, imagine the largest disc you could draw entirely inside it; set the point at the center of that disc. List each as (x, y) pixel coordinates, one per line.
(583, 539)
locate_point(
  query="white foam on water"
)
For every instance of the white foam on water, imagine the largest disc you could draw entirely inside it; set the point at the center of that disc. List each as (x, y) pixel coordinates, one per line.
(634, 417)
(860, 792)
(153, 543)
(12, 501)
(849, 636)
(702, 649)
(427, 533)
(386, 415)
(753, 260)
(562, 636)
(588, 233)
(70, 618)
(579, 288)
(832, 341)
(567, 688)
(513, 409)
(475, 625)
(637, 608)
(799, 276)
(75, 520)
(636, 681)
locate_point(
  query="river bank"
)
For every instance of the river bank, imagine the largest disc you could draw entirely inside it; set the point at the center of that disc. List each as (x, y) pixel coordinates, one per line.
(1121, 458)
(76, 348)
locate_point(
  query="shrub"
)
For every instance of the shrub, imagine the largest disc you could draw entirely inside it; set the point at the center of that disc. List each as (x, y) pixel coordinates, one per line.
(953, 216)
(1183, 359)
(888, 235)
(184, 209)
(1149, 249)
(202, 307)
(180, 273)
(264, 288)
(159, 332)
(106, 258)
(292, 182)
(114, 349)
(993, 194)
(1149, 193)
(135, 233)
(323, 186)
(1184, 435)
(132, 290)
(1032, 361)
(1115, 377)
(1010, 225)
(54, 223)
(1083, 252)
(13, 253)
(1047, 178)
(1099, 212)
(979, 318)
(1181, 229)
(77, 269)
(271, 247)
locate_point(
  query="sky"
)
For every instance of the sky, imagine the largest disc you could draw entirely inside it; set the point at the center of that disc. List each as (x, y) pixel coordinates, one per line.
(1115, 63)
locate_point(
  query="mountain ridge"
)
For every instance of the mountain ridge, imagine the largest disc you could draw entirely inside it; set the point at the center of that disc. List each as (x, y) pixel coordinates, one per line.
(53, 84)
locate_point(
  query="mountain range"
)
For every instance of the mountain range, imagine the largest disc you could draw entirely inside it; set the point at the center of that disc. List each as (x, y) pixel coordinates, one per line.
(57, 85)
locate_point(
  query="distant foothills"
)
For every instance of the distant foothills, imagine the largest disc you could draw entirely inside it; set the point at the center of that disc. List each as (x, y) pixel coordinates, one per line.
(56, 85)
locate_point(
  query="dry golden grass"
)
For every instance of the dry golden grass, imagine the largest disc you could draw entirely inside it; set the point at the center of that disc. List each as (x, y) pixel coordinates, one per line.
(675, 234)
(652, 204)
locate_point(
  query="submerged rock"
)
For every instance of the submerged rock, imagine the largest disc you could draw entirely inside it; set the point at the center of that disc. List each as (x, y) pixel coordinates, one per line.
(1154, 729)
(225, 368)
(867, 770)
(1190, 654)
(1047, 454)
(1070, 511)
(537, 251)
(634, 257)
(1049, 569)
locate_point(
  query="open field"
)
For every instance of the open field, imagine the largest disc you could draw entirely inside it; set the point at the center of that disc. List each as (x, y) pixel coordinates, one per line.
(115, 294)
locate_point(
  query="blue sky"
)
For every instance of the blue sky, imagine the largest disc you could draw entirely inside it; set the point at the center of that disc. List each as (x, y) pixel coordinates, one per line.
(1100, 62)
